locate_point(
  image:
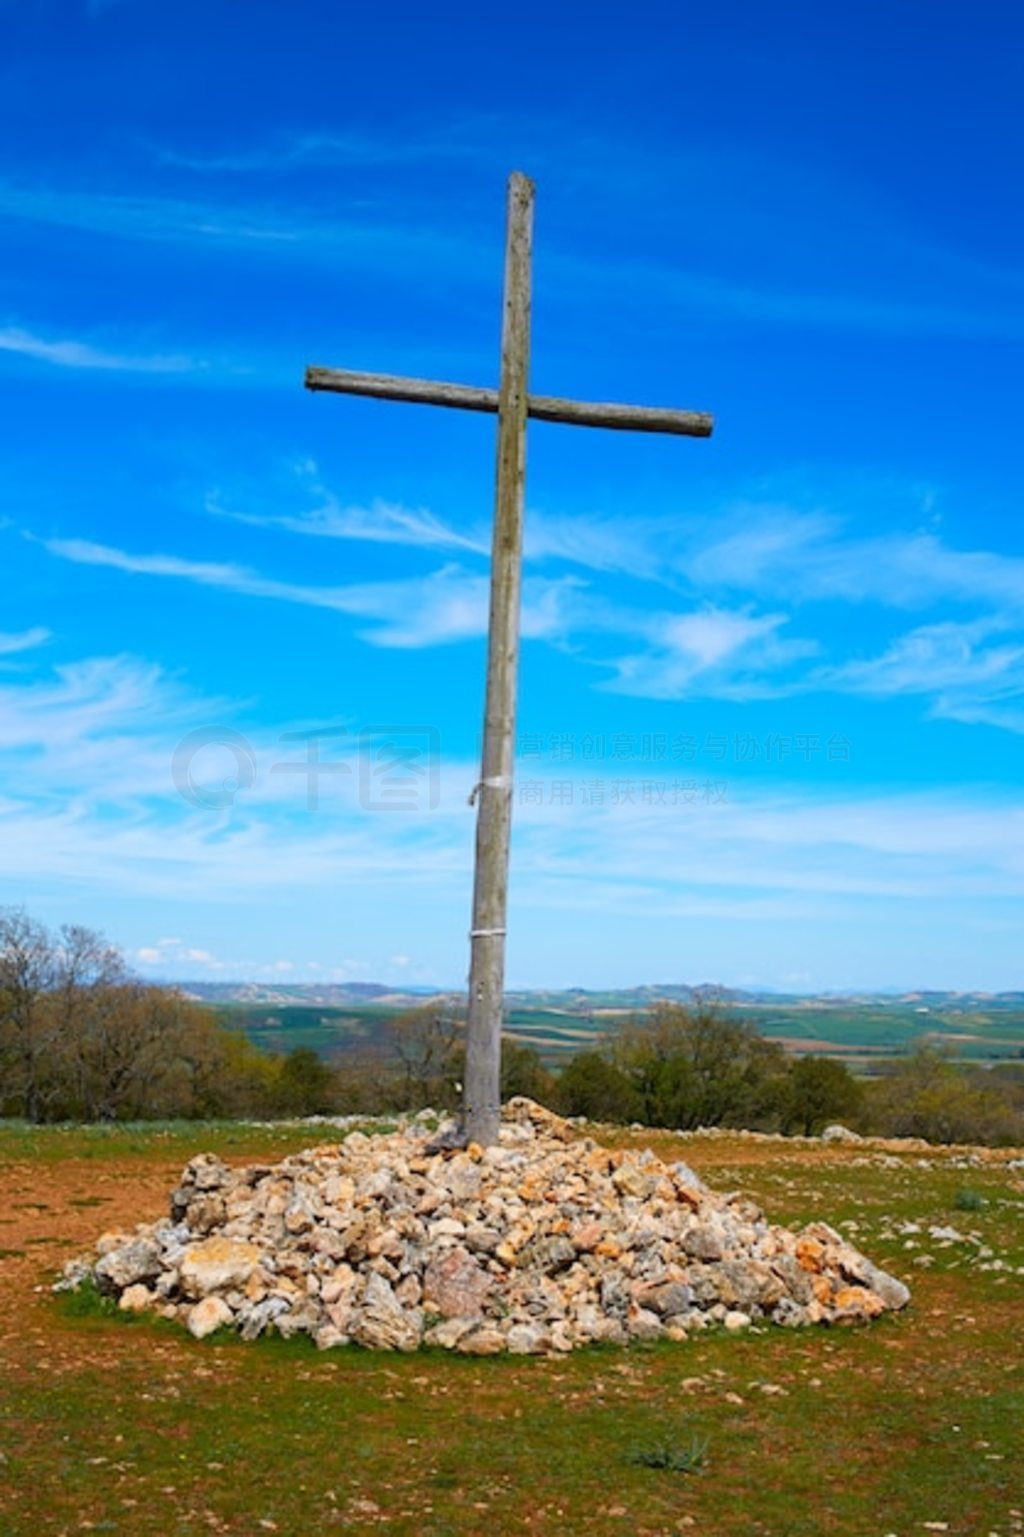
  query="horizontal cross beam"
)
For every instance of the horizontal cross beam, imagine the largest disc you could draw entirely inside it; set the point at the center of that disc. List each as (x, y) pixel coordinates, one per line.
(544, 408)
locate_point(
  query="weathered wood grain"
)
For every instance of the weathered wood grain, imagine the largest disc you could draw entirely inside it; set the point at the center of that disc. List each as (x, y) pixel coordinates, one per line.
(542, 408)
(482, 1089)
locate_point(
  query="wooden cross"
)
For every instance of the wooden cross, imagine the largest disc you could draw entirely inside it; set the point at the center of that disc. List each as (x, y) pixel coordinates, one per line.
(513, 404)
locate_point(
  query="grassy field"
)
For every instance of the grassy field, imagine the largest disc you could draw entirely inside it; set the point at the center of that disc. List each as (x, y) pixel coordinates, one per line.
(857, 1032)
(912, 1424)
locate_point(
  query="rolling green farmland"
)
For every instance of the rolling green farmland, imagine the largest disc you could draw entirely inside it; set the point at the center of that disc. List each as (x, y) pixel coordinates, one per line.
(974, 1028)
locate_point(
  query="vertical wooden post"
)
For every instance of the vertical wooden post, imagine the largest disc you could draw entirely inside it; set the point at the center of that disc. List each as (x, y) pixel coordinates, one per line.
(482, 1091)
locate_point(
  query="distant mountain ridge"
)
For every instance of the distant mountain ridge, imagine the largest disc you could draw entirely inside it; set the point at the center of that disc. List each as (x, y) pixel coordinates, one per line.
(583, 1000)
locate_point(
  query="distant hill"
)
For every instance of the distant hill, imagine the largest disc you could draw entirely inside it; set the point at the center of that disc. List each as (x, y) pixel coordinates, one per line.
(581, 1000)
(305, 995)
(347, 1019)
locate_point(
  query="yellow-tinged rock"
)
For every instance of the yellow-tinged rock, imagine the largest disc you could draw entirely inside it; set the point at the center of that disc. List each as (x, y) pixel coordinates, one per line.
(255, 1288)
(629, 1180)
(822, 1288)
(810, 1254)
(217, 1264)
(210, 1314)
(135, 1299)
(858, 1300)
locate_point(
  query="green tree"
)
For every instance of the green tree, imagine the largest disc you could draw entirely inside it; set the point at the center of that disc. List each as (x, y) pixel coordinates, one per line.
(819, 1090)
(523, 1072)
(305, 1084)
(593, 1086)
(699, 1067)
(927, 1095)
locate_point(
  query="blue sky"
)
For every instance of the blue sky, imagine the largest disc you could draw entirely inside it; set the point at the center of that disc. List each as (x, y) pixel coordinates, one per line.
(772, 692)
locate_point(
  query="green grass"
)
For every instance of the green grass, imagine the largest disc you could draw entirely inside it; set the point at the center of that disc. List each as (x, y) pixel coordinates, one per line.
(672, 1456)
(21, 1142)
(133, 1427)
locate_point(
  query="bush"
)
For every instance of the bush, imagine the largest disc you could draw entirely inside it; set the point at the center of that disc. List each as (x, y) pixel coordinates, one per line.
(699, 1067)
(305, 1085)
(927, 1095)
(590, 1085)
(819, 1090)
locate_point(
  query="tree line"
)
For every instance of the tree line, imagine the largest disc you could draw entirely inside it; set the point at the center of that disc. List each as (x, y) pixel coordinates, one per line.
(83, 1039)
(687, 1067)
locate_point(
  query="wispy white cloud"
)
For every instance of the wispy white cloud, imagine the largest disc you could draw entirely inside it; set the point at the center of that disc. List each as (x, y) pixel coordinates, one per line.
(447, 605)
(709, 652)
(775, 551)
(599, 543)
(852, 263)
(286, 232)
(938, 658)
(86, 754)
(772, 551)
(95, 699)
(777, 562)
(967, 672)
(416, 145)
(172, 952)
(323, 515)
(69, 353)
(25, 640)
(970, 671)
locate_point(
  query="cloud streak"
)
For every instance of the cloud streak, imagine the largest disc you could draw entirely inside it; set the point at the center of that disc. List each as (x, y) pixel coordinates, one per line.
(68, 353)
(25, 640)
(418, 145)
(725, 634)
(86, 757)
(445, 606)
(383, 522)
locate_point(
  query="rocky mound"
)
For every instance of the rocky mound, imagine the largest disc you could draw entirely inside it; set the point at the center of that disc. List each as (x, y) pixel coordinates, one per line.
(544, 1242)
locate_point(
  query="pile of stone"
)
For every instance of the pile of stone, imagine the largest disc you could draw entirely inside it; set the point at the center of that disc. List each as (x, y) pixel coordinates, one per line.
(540, 1243)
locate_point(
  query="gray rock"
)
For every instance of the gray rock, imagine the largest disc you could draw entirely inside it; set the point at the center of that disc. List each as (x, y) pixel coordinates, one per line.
(548, 1255)
(673, 1297)
(381, 1323)
(138, 1260)
(683, 1172)
(703, 1243)
(644, 1325)
(528, 1340)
